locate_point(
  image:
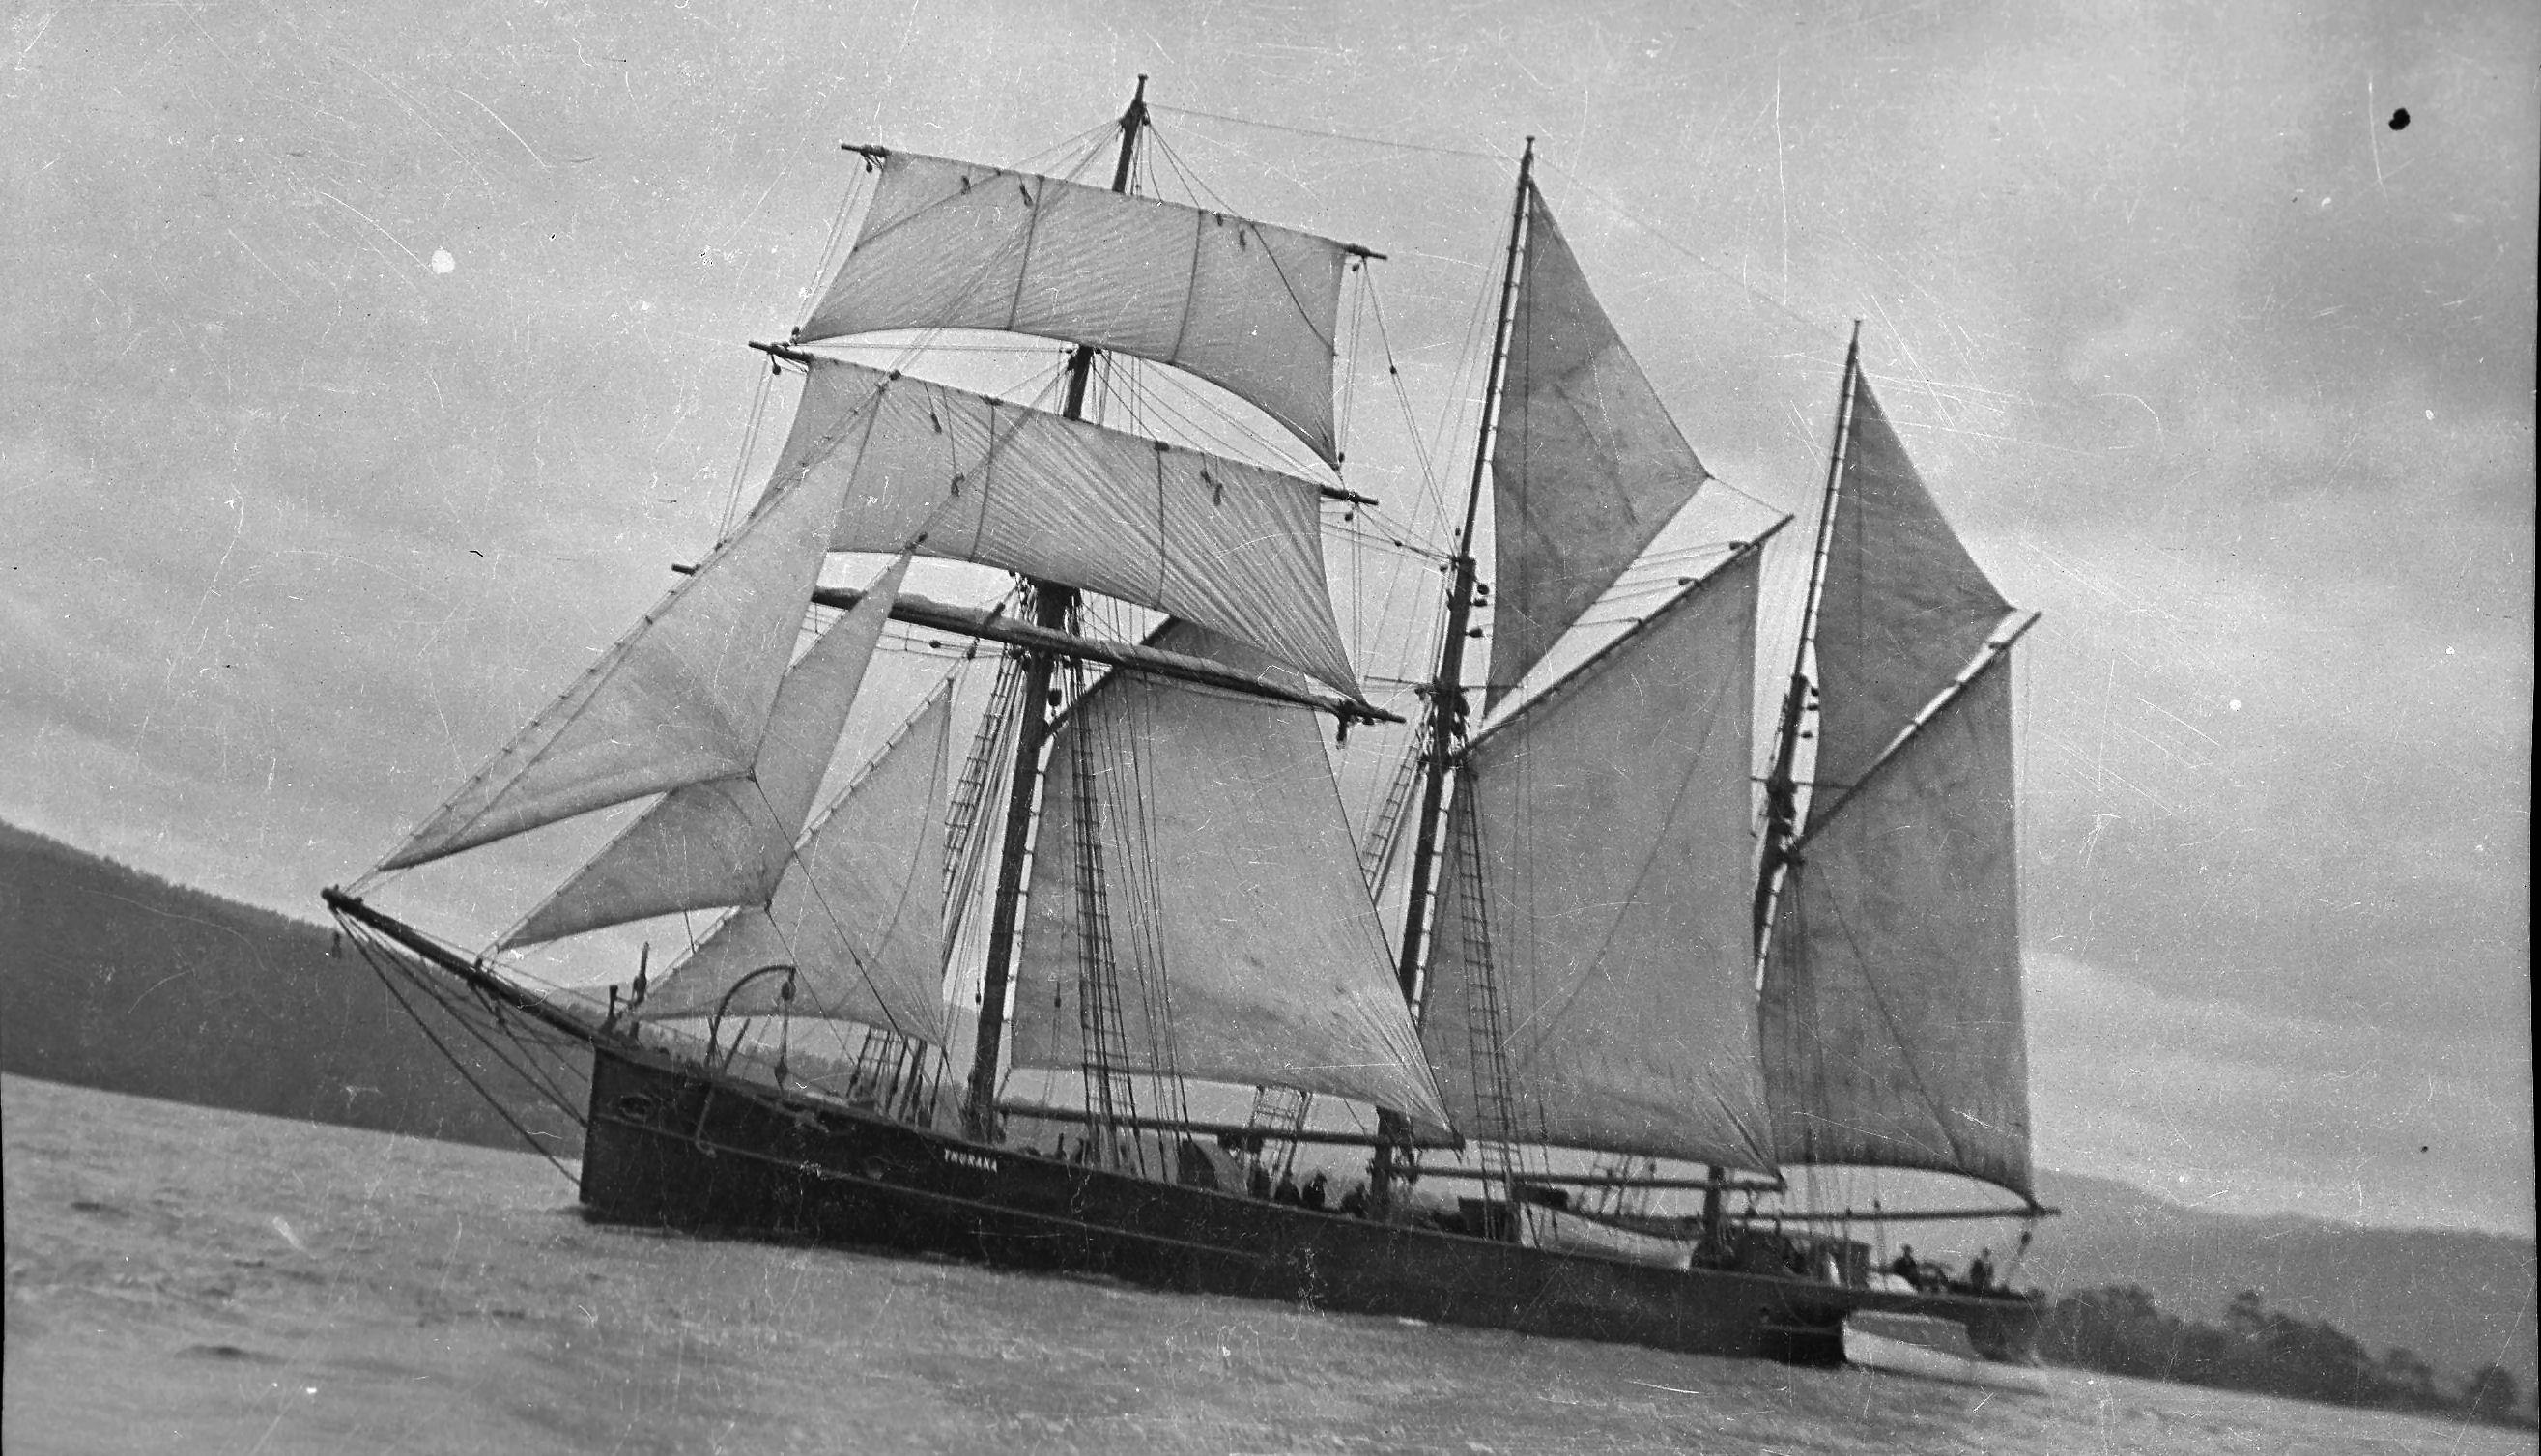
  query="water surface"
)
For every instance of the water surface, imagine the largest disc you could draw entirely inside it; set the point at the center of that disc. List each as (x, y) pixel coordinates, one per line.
(183, 1280)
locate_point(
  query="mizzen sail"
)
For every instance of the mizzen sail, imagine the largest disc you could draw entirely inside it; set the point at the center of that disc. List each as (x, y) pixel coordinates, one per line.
(1892, 1007)
(683, 698)
(1611, 818)
(1230, 888)
(1586, 468)
(1243, 305)
(726, 840)
(1231, 547)
(859, 911)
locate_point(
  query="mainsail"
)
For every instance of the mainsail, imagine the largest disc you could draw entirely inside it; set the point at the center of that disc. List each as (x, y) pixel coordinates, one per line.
(1229, 880)
(955, 245)
(859, 911)
(1232, 546)
(1612, 817)
(683, 698)
(726, 840)
(1892, 1010)
(1587, 468)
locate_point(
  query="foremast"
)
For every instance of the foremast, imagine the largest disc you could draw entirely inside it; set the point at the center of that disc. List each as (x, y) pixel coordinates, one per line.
(1443, 725)
(1053, 607)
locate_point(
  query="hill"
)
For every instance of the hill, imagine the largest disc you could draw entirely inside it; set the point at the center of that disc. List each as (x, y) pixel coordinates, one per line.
(114, 978)
(2460, 1300)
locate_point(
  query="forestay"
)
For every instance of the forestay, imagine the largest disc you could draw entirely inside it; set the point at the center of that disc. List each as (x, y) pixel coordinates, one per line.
(1892, 1005)
(1228, 545)
(859, 911)
(681, 700)
(1587, 467)
(1612, 815)
(953, 244)
(1905, 608)
(1231, 893)
(726, 841)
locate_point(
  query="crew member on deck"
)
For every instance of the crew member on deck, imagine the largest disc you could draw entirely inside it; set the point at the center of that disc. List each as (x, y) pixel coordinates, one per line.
(1313, 1196)
(1981, 1272)
(1905, 1267)
(1286, 1193)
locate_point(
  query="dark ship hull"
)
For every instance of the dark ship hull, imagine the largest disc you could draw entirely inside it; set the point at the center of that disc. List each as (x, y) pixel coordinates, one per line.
(670, 1144)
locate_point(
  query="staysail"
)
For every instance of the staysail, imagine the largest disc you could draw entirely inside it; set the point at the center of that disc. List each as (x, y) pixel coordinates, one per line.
(683, 698)
(1228, 879)
(1612, 817)
(1587, 468)
(726, 840)
(859, 911)
(1903, 607)
(955, 245)
(1229, 545)
(1893, 1032)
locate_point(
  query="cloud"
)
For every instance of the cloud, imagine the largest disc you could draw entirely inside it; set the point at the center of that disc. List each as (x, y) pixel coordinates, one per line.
(2326, 1113)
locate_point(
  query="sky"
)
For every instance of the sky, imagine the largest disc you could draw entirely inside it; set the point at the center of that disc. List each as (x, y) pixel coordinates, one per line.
(366, 367)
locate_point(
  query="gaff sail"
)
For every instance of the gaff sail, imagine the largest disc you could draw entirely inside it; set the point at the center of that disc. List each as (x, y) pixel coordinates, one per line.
(1893, 1031)
(1612, 815)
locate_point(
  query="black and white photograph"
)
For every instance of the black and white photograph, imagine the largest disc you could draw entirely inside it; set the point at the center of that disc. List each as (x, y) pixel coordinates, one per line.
(1268, 727)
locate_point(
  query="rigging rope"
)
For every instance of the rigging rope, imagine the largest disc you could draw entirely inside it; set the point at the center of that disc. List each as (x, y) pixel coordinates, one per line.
(1370, 141)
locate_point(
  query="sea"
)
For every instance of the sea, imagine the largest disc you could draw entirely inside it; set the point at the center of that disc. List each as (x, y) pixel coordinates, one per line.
(185, 1280)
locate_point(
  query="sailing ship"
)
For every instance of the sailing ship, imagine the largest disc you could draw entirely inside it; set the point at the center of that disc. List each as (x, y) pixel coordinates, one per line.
(1610, 945)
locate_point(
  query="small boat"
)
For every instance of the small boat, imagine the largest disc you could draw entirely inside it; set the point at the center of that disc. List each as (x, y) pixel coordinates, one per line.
(1931, 1349)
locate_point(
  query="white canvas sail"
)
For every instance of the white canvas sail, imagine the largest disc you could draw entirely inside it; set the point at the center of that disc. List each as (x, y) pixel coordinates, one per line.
(1231, 889)
(953, 245)
(860, 909)
(683, 698)
(1612, 815)
(1892, 1008)
(1903, 609)
(1587, 467)
(726, 840)
(1228, 545)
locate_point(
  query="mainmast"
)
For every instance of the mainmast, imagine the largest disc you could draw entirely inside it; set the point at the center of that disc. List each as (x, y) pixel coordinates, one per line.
(1782, 785)
(1445, 727)
(1052, 605)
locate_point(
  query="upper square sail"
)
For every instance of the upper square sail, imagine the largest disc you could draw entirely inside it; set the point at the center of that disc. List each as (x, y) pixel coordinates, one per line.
(1231, 547)
(1611, 819)
(1228, 879)
(1903, 609)
(683, 698)
(955, 245)
(1586, 466)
